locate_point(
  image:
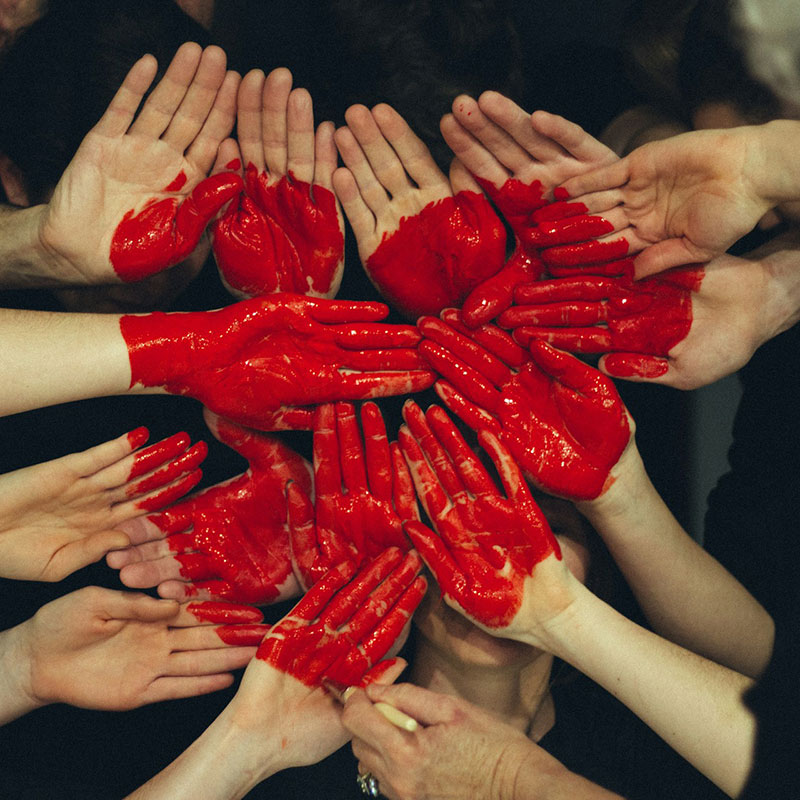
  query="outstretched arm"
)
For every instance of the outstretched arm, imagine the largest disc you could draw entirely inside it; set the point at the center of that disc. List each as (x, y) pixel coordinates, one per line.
(281, 715)
(61, 515)
(133, 201)
(690, 197)
(399, 201)
(254, 361)
(103, 649)
(285, 232)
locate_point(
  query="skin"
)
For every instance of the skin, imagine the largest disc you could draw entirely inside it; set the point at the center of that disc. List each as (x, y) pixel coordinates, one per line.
(61, 515)
(103, 649)
(304, 724)
(518, 159)
(286, 231)
(229, 541)
(392, 192)
(362, 494)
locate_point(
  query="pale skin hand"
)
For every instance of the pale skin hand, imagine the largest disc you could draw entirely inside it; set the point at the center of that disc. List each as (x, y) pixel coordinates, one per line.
(388, 175)
(459, 751)
(496, 140)
(688, 198)
(127, 160)
(104, 649)
(61, 515)
(275, 133)
(741, 303)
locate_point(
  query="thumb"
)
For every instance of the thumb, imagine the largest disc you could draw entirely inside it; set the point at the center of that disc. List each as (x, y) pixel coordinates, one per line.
(206, 199)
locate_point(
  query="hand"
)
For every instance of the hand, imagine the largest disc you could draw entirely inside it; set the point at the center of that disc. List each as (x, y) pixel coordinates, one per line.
(251, 360)
(684, 328)
(286, 232)
(61, 515)
(103, 649)
(563, 421)
(363, 494)
(398, 201)
(495, 558)
(685, 199)
(459, 752)
(518, 159)
(281, 716)
(133, 201)
(227, 542)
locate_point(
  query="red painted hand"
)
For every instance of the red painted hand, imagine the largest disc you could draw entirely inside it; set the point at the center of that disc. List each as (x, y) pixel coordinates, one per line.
(640, 322)
(399, 202)
(347, 622)
(228, 542)
(251, 360)
(363, 494)
(563, 421)
(487, 545)
(282, 236)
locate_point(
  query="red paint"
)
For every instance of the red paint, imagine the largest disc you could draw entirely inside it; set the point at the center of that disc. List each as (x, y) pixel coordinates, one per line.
(177, 184)
(585, 253)
(361, 491)
(242, 635)
(165, 231)
(229, 613)
(625, 365)
(231, 540)
(250, 360)
(563, 421)
(136, 438)
(437, 257)
(234, 164)
(158, 453)
(171, 493)
(566, 231)
(597, 314)
(280, 237)
(488, 544)
(346, 622)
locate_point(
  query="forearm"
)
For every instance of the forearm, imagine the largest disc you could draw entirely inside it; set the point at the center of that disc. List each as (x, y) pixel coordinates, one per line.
(16, 699)
(694, 704)
(49, 358)
(222, 764)
(687, 596)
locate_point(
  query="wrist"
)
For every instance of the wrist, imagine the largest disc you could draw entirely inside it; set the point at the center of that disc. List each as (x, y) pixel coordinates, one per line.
(780, 309)
(17, 693)
(773, 171)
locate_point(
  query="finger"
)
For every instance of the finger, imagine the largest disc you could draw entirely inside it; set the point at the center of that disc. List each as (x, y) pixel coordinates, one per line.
(228, 158)
(468, 149)
(575, 228)
(190, 663)
(82, 552)
(182, 591)
(572, 138)
(437, 557)
(510, 475)
(161, 498)
(318, 596)
(208, 144)
(327, 464)
(461, 179)
(374, 335)
(161, 476)
(434, 499)
(466, 380)
(611, 176)
(302, 533)
(198, 101)
(414, 156)
(661, 256)
(496, 341)
(474, 416)
(427, 707)
(274, 128)
(382, 160)
(566, 314)
(157, 454)
(300, 135)
(119, 115)
(146, 574)
(169, 688)
(594, 252)
(139, 531)
(582, 287)
(211, 613)
(405, 498)
(138, 606)
(636, 367)
(573, 373)
(463, 347)
(345, 311)
(364, 721)
(351, 450)
(384, 384)
(160, 107)
(471, 472)
(326, 156)
(371, 360)
(376, 451)
(248, 119)
(359, 214)
(573, 340)
(370, 190)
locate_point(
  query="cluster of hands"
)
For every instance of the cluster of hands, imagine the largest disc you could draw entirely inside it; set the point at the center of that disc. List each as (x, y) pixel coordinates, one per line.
(495, 335)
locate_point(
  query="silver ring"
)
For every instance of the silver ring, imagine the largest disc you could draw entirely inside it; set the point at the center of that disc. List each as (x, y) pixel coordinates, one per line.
(368, 784)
